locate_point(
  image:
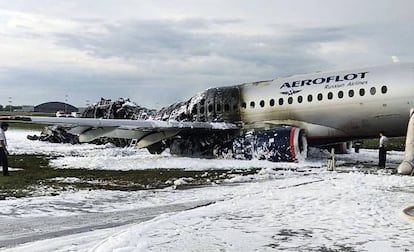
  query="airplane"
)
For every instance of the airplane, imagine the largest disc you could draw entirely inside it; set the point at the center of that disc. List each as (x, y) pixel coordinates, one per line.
(274, 120)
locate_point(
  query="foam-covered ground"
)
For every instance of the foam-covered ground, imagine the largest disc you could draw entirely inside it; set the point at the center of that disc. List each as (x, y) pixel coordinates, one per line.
(304, 209)
(108, 157)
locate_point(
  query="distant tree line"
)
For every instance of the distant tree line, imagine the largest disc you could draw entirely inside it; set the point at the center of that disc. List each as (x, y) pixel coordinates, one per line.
(7, 108)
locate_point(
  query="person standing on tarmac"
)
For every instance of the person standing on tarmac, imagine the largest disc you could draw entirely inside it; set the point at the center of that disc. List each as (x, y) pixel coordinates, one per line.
(383, 142)
(3, 148)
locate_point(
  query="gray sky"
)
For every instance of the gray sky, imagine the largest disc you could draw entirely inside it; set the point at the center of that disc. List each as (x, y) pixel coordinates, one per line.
(159, 52)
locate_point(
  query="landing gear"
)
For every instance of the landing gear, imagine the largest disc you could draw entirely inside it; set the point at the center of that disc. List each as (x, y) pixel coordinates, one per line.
(156, 148)
(407, 166)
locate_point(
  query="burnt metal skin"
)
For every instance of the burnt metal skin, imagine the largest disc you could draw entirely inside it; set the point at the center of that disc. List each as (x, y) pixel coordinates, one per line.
(223, 105)
(212, 105)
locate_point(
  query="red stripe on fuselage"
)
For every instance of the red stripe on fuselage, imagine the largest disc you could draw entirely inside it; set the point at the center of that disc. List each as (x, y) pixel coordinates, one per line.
(292, 143)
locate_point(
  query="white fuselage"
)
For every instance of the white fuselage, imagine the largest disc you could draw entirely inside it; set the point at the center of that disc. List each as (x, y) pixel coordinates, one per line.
(346, 104)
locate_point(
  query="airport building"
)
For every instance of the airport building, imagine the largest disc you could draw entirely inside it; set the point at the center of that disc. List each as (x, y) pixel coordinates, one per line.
(25, 108)
(53, 107)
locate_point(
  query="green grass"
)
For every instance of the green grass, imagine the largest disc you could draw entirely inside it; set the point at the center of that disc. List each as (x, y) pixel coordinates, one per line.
(37, 172)
(18, 183)
(394, 143)
(27, 126)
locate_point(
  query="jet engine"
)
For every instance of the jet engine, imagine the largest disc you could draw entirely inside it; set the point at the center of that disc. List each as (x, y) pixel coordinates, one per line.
(283, 144)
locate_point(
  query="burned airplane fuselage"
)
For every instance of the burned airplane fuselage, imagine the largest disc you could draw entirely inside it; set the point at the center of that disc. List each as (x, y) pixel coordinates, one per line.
(224, 104)
(212, 105)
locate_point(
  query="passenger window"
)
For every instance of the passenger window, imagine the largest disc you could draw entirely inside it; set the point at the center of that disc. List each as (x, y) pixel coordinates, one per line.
(310, 98)
(290, 100)
(202, 110)
(320, 97)
(195, 109)
(226, 107)
(243, 105)
(330, 95)
(281, 101)
(272, 102)
(300, 99)
(262, 103)
(340, 94)
(210, 108)
(362, 92)
(252, 104)
(218, 107)
(373, 91)
(384, 89)
(351, 93)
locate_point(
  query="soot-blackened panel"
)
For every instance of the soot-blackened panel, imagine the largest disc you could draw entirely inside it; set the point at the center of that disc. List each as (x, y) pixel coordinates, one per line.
(218, 105)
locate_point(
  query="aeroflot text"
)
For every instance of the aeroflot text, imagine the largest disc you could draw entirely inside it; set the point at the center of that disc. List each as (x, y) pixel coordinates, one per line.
(330, 79)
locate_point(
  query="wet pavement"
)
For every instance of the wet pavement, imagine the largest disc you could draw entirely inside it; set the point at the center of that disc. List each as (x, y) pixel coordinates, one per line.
(16, 231)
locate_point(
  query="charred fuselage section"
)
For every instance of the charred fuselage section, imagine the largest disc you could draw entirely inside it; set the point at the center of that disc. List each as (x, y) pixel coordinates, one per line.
(119, 109)
(213, 105)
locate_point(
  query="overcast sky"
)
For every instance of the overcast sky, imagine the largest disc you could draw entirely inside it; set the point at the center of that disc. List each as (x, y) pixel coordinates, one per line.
(159, 52)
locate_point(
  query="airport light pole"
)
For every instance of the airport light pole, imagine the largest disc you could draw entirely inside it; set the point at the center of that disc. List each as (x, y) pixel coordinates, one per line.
(66, 102)
(10, 103)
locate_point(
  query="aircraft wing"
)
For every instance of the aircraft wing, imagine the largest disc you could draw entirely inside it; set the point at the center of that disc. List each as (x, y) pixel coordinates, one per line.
(132, 124)
(146, 132)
